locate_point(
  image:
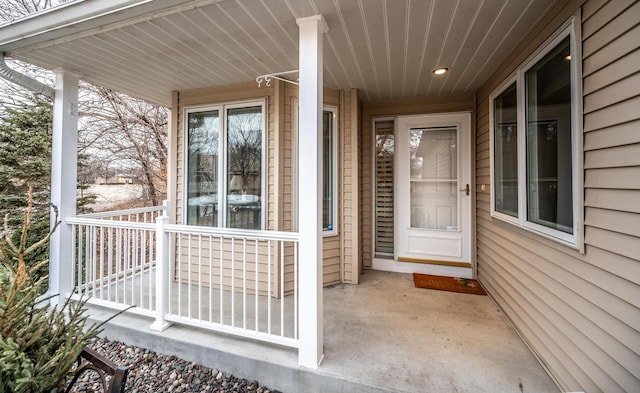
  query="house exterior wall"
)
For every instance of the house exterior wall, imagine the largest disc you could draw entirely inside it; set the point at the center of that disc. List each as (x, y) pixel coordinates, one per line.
(281, 161)
(579, 312)
(379, 110)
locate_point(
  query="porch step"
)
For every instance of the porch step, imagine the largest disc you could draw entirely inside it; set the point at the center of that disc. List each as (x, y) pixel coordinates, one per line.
(274, 366)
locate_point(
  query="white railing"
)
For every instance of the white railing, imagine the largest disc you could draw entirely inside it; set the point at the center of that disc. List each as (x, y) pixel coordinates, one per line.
(233, 281)
(114, 262)
(141, 214)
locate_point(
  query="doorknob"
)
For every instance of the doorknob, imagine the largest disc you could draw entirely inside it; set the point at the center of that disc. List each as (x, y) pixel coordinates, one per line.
(466, 189)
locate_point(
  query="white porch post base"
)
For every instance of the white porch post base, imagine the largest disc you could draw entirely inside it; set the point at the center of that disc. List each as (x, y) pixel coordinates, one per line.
(162, 274)
(64, 159)
(310, 351)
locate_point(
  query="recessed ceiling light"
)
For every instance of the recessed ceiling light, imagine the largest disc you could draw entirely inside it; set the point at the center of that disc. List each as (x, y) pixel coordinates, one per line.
(440, 70)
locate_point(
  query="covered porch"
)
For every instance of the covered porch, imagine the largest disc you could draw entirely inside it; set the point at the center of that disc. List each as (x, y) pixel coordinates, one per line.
(382, 335)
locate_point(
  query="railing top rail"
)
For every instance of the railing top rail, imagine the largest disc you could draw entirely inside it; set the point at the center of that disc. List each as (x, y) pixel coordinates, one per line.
(231, 232)
(125, 212)
(187, 229)
(110, 223)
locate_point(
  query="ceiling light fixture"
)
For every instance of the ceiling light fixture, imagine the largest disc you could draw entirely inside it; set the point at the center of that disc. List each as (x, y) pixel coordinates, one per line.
(567, 57)
(440, 71)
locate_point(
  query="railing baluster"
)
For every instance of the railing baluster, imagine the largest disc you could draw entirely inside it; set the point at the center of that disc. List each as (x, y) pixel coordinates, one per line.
(295, 290)
(118, 262)
(244, 283)
(87, 245)
(94, 261)
(221, 290)
(233, 281)
(210, 278)
(102, 263)
(110, 261)
(282, 289)
(200, 277)
(179, 267)
(257, 287)
(143, 262)
(189, 262)
(269, 245)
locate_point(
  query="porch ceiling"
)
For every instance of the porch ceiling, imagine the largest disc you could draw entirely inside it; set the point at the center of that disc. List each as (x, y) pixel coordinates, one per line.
(385, 48)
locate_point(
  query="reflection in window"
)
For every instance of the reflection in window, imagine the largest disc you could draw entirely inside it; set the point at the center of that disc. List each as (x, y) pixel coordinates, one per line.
(506, 152)
(244, 161)
(434, 178)
(548, 140)
(328, 192)
(242, 152)
(203, 134)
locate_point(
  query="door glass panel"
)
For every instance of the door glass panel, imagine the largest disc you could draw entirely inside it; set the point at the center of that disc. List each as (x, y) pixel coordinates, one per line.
(434, 178)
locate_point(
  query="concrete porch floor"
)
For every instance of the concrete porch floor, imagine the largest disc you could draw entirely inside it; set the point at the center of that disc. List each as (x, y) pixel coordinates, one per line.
(383, 335)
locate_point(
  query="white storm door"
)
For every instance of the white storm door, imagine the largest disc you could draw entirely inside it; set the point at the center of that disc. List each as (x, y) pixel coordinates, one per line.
(432, 189)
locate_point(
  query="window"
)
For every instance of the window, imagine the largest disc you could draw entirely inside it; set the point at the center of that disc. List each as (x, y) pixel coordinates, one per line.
(328, 171)
(229, 147)
(534, 142)
(329, 168)
(505, 142)
(385, 147)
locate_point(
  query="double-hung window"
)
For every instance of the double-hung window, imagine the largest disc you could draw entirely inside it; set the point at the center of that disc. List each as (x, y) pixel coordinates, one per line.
(535, 139)
(224, 169)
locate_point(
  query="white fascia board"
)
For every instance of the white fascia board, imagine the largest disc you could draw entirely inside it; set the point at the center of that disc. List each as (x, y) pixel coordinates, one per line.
(77, 17)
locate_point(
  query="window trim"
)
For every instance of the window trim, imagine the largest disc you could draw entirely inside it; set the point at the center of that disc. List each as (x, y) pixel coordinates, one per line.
(571, 29)
(222, 109)
(295, 172)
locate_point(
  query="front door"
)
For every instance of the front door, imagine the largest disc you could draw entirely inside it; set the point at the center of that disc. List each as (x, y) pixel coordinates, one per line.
(433, 195)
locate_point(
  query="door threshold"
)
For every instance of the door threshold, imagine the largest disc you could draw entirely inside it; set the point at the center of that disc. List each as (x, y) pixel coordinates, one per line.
(392, 265)
(434, 262)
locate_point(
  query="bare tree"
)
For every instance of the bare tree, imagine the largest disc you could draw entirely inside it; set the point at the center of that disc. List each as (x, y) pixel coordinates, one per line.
(11, 10)
(116, 127)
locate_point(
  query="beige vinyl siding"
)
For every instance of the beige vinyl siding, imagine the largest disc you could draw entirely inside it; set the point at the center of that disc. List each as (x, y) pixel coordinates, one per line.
(349, 187)
(218, 95)
(372, 111)
(331, 244)
(580, 313)
(280, 148)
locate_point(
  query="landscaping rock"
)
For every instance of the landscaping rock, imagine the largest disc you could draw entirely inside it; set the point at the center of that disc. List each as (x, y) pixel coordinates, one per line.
(152, 372)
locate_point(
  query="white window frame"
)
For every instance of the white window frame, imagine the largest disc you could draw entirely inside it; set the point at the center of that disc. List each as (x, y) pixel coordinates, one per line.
(222, 154)
(334, 130)
(570, 29)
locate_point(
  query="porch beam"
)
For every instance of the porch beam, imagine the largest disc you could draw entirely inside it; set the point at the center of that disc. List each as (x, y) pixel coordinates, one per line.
(310, 350)
(64, 159)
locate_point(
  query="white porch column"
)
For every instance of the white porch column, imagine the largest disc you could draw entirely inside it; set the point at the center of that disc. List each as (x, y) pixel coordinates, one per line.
(64, 158)
(310, 352)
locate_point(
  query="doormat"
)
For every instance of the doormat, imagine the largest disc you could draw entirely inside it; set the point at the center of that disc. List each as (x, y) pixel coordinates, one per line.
(451, 284)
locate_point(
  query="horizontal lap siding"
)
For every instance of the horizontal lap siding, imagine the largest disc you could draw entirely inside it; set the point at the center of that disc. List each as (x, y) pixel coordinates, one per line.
(349, 187)
(331, 245)
(580, 313)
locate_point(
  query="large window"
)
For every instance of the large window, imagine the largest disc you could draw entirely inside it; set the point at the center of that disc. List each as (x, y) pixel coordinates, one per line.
(534, 139)
(225, 142)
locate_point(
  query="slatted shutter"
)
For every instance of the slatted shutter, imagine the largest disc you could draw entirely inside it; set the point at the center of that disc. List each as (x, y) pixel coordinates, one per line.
(384, 188)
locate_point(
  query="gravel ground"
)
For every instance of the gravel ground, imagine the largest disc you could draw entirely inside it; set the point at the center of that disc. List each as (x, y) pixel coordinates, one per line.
(152, 372)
